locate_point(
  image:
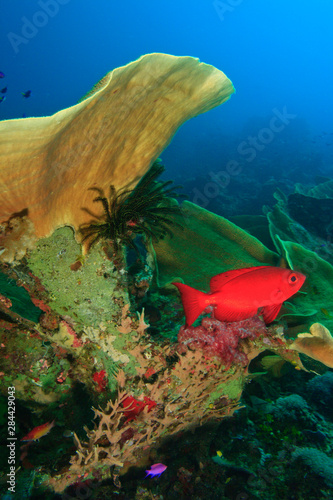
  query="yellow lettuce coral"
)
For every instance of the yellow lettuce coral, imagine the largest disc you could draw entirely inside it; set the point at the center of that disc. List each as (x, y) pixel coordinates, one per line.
(318, 344)
(111, 137)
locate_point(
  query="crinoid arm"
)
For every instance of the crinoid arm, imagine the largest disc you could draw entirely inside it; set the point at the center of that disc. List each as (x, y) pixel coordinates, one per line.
(145, 210)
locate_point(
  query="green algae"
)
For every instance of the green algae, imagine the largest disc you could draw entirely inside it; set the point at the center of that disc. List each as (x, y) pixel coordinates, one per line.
(208, 244)
(89, 300)
(283, 227)
(88, 294)
(317, 292)
(230, 388)
(19, 297)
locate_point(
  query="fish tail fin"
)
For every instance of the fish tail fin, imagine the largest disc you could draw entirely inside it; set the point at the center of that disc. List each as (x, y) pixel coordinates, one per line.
(194, 302)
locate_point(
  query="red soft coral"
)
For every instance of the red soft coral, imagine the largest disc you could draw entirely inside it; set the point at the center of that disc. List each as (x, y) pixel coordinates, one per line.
(101, 379)
(219, 339)
(132, 406)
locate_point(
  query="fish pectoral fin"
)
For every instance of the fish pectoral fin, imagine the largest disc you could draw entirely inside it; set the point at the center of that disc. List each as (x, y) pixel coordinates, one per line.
(269, 313)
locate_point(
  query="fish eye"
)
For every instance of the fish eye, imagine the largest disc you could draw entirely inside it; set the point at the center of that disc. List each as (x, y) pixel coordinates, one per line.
(292, 278)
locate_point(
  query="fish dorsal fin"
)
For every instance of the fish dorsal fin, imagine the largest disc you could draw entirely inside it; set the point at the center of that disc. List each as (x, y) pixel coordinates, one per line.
(269, 313)
(218, 281)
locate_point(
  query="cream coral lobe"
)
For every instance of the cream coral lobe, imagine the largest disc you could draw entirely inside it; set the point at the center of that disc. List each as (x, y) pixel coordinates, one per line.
(111, 137)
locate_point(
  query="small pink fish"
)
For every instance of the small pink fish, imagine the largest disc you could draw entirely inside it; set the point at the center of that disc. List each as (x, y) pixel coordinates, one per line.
(156, 470)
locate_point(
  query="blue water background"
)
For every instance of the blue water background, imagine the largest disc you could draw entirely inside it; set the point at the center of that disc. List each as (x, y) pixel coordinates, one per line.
(277, 53)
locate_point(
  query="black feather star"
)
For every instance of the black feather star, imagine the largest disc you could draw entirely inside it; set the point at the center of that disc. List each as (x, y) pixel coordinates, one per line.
(148, 210)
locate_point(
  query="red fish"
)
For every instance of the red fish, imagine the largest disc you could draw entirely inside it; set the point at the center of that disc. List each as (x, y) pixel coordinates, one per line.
(242, 293)
(39, 431)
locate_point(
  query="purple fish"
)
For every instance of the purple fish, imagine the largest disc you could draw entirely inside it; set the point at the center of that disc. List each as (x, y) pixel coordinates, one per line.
(2, 75)
(156, 470)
